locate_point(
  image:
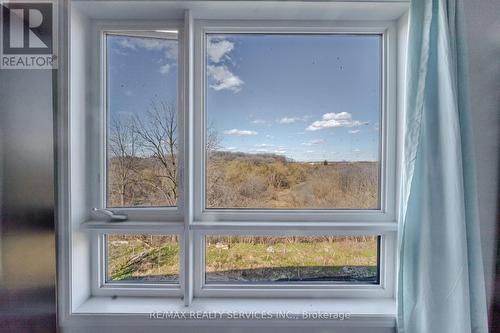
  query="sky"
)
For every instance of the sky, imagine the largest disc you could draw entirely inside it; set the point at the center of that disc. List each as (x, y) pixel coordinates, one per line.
(141, 71)
(308, 97)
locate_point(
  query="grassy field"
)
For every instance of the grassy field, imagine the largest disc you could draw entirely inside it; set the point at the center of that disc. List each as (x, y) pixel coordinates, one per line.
(145, 257)
(281, 259)
(247, 259)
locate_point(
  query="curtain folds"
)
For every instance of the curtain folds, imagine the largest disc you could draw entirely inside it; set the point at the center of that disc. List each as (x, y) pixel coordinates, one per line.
(441, 281)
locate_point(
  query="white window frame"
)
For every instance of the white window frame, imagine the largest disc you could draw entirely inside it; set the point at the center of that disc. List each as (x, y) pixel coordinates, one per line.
(102, 287)
(140, 29)
(387, 176)
(192, 222)
(141, 220)
(299, 222)
(325, 289)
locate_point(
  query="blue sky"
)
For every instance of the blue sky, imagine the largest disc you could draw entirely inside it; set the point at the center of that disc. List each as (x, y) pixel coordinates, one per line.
(310, 98)
(140, 71)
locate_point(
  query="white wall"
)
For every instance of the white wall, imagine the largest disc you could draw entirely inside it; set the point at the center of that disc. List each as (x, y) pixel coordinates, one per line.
(79, 152)
(483, 28)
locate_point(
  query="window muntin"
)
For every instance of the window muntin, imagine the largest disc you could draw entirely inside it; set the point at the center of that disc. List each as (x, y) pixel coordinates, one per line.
(291, 259)
(261, 144)
(141, 107)
(142, 258)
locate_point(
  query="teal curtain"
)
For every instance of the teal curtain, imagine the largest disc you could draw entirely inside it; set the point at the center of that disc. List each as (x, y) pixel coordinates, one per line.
(441, 281)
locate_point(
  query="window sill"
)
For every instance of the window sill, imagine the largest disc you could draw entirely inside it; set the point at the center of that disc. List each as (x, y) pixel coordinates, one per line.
(240, 225)
(135, 311)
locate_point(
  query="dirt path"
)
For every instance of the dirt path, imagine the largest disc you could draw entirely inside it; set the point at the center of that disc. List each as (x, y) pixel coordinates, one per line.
(284, 196)
(282, 201)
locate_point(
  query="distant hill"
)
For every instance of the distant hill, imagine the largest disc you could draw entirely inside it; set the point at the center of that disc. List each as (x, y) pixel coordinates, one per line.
(261, 157)
(268, 158)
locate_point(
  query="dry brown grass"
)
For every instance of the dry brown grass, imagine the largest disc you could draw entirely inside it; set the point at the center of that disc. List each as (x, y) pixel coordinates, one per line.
(268, 183)
(236, 180)
(138, 182)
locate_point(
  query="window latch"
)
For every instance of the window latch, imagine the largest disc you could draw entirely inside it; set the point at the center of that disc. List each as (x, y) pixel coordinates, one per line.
(111, 215)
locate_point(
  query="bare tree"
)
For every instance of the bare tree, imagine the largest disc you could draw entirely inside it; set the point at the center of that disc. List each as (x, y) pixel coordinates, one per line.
(213, 139)
(143, 153)
(213, 174)
(157, 130)
(123, 143)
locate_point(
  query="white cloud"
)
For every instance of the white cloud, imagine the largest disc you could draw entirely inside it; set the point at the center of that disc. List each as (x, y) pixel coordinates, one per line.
(335, 120)
(269, 151)
(224, 79)
(263, 145)
(314, 142)
(258, 121)
(218, 49)
(171, 52)
(158, 44)
(120, 52)
(309, 151)
(291, 120)
(354, 131)
(356, 150)
(237, 132)
(168, 47)
(288, 120)
(269, 136)
(165, 69)
(146, 43)
(229, 148)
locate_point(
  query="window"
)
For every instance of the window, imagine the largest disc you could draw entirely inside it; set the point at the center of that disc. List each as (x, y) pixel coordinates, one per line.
(141, 104)
(282, 260)
(251, 159)
(291, 156)
(144, 258)
(292, 121)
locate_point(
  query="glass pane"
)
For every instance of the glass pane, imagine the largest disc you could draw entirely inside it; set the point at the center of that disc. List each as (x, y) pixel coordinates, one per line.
(265, 259)
(293, 121)
(142, 120)
(145, 258)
